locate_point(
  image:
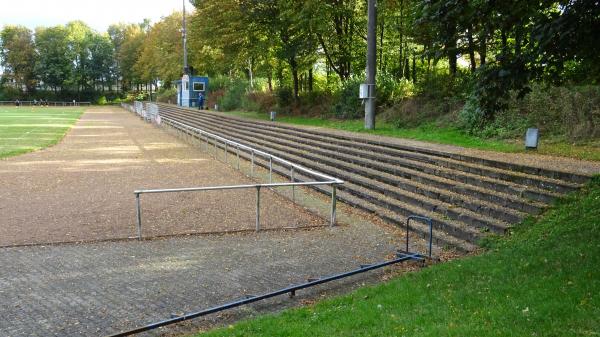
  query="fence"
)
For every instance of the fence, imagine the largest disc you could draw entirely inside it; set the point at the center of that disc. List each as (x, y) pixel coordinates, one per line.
(240, 151)
(38, 103)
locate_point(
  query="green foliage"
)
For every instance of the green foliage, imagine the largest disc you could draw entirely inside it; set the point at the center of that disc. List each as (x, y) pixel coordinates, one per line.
(234, 95)
(102, 100)
(285, 98)
(347, 105)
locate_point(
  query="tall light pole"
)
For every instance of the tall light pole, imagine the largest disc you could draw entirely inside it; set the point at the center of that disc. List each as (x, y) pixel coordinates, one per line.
(184, 32)
(371, 65)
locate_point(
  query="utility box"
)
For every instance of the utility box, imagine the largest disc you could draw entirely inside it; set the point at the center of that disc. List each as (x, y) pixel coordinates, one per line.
(532, 138)
(273, 115)
(189, 88)
(363, 91)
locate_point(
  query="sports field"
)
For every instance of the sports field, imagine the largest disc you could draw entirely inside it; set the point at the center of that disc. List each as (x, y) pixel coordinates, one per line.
(26, 129)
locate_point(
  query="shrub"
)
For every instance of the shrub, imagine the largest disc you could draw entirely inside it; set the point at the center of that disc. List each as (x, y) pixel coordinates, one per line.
(347, 104)
(232, 97)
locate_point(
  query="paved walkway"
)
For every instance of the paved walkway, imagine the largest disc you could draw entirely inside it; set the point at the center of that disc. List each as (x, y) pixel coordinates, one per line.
(82, 189)
(102, 288)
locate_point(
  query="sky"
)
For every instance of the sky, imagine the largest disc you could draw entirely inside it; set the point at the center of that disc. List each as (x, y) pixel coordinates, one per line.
(98, 14)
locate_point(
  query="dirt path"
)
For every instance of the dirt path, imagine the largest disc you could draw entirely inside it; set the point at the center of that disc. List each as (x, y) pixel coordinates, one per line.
(82, 188)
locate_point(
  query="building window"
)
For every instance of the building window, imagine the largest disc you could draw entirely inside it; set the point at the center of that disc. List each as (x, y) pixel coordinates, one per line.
(198, 86)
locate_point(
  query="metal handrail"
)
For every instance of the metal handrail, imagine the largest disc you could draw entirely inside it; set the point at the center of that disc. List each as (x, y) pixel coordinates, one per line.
(255, 151)
(327, 180)
(424, 219)
(291, 290)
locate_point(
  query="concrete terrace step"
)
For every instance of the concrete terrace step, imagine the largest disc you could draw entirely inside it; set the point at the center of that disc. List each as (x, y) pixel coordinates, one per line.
(541, 182)
(531, 170)
(466, 197)
(406, 168)
(440, 238)
(467, 227)
(451, 204)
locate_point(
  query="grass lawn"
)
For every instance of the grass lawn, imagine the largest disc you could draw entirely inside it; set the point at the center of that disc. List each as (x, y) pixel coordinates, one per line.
(435, 134)
(27, 129)
(543, 280)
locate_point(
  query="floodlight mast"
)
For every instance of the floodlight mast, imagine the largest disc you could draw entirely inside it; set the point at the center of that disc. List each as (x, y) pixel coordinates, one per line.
(371, 64)
(184, 32)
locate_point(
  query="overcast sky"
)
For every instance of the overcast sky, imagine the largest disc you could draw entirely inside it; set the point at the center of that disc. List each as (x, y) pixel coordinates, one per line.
(98, 14)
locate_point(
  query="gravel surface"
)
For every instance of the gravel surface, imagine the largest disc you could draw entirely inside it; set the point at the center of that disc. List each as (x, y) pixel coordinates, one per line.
(82, 188)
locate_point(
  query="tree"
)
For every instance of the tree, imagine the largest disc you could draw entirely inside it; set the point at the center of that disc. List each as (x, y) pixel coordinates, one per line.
(17, 55)
(129, 53)
(55, 66)
(162, 52)
(288, 23)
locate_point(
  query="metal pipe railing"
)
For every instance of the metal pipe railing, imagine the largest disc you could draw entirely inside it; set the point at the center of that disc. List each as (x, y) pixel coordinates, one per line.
(258, 187)
(291, 290)
(229, 145)
(254, 151)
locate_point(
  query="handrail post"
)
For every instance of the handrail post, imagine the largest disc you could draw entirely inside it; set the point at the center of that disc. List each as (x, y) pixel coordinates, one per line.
(225, 152)
(258, 208)
(270, 169)
(238, 157)
(293, 180)
(333, 202)
(139, 215)
(252, 165)
(216, 154)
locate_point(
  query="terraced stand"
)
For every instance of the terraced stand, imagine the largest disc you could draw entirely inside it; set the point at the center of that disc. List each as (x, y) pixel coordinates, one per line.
(467, 197)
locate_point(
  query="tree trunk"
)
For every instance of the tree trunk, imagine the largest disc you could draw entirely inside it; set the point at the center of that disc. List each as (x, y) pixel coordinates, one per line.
(310, 79)
(294, 67)
(471, 47)
(483, 49)
(451, 51)
(414, 69)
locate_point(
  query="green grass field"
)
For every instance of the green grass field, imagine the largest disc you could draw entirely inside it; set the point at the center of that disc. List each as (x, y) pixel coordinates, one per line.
(442, 135)
(542, 280)
(27, 129)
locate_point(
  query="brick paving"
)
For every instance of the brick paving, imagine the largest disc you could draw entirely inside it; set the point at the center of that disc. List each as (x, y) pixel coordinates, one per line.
(101, 288)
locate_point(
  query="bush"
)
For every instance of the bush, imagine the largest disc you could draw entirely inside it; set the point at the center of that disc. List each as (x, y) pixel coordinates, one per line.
(285, 99)
(167, 95)
(347, 104)
(102, 101)
(259, 101)
(570, 112)
(232, 98)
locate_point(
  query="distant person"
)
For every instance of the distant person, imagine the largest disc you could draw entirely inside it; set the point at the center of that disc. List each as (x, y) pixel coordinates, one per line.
(200, 101)
(17, 103)
(35, 102)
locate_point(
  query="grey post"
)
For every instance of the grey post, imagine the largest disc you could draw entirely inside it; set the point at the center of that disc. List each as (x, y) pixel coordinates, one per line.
(216, 154)
(252, 165)
(225, 152)
(206, 146)
(371, 63)
(270, 169)
(257, 208)
(333, 201)
(139, 215)
(292, 180)
(238, 157)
